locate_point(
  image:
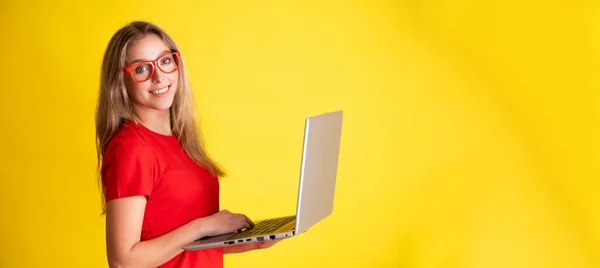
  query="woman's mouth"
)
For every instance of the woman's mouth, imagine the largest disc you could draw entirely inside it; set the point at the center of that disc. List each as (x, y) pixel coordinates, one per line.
(160, 91)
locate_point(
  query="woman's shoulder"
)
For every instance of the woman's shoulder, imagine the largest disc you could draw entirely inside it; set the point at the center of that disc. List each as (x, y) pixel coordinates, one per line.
(128, 137)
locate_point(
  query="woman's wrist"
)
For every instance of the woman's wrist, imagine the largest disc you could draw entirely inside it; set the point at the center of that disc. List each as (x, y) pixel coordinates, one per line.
(199, 227)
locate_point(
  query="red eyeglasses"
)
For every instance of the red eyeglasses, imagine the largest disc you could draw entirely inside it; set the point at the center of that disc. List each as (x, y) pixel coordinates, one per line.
(144, 70)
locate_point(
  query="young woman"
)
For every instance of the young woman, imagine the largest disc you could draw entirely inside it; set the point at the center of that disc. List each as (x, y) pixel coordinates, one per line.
(160, 187)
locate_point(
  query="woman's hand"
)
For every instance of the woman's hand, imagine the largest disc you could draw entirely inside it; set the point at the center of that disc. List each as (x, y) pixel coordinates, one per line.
(250, 246)
(224, 222)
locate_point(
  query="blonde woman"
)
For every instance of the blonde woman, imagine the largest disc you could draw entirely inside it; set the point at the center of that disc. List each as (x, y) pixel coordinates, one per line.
(160, 187)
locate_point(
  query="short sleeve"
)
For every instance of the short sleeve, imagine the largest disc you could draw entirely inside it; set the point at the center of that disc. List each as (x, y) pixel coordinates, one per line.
(127, 169)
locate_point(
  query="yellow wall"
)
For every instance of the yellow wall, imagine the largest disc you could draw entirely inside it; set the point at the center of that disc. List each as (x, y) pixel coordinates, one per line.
(470, 140)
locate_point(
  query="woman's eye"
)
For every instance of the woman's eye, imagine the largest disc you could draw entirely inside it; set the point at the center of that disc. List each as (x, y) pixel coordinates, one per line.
(166, 61)
(141, 69)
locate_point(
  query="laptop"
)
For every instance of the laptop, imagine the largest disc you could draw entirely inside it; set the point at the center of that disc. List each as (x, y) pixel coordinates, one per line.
(321, 145)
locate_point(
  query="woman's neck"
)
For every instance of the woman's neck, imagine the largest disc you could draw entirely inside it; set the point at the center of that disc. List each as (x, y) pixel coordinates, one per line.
(157, 121)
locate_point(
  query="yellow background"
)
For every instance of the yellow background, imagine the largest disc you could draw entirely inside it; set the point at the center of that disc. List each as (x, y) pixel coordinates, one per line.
(470, 137)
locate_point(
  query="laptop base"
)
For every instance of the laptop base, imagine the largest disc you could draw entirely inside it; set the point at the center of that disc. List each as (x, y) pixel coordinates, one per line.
(246, 236)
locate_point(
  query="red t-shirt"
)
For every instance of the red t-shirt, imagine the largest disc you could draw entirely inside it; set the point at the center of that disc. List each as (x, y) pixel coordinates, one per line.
(139, 161)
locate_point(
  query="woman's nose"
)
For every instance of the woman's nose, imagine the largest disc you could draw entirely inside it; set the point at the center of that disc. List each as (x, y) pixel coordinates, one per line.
(157, 77)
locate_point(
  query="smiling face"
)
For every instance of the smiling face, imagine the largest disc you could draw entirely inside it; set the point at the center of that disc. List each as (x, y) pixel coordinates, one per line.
(156, 93)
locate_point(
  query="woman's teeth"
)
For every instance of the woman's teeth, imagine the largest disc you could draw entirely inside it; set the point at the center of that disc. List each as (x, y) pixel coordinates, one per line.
(160, 91)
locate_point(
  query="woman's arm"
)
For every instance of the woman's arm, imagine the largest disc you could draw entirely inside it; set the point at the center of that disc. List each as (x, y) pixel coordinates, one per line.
(124, 219)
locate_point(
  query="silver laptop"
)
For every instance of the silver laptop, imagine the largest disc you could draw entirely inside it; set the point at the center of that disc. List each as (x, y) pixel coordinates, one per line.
(322, 134)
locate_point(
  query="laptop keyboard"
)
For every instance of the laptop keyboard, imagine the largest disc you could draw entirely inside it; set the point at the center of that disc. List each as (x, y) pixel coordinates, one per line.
(265, 227)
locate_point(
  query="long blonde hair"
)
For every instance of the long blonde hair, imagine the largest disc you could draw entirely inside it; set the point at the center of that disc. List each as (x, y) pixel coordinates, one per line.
(114, 107)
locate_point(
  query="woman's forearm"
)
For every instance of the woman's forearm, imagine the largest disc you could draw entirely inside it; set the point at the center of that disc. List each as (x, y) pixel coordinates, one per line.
(157, 251)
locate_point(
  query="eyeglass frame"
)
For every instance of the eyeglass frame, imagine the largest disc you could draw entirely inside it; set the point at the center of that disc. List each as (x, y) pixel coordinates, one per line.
(154, 64)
